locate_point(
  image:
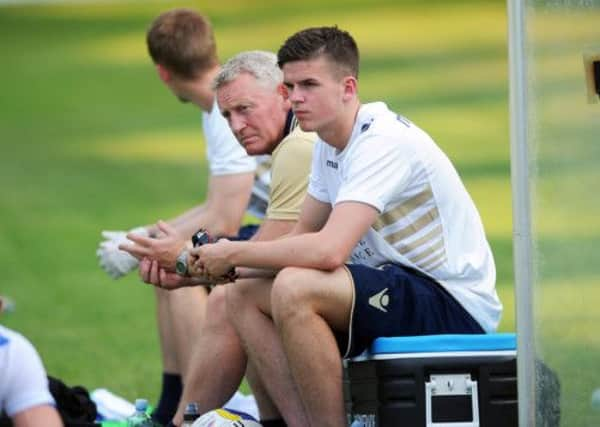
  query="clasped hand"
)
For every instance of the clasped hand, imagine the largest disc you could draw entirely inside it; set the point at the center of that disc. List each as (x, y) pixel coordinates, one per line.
(210, 260)
(151, 273)
(164, 250)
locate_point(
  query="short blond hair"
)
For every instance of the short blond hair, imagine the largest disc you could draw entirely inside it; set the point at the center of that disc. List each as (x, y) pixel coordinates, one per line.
(182, 40)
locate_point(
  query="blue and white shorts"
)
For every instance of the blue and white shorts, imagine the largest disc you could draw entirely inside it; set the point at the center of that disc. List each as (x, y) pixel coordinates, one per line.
(399, 301)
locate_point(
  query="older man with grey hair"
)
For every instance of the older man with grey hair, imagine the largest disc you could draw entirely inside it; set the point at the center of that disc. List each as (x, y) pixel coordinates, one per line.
(252, 98)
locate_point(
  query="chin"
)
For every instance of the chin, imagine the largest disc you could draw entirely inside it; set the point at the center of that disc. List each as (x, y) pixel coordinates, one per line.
(254, 151)
(306, 126)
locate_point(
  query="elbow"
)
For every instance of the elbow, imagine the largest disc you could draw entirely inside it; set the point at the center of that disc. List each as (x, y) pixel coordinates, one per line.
(331, 258)
(222, 228)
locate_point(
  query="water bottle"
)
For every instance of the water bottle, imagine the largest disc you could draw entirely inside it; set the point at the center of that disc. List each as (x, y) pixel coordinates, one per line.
(596, 400)
(7, 305)
(191, 413)
(140, 418)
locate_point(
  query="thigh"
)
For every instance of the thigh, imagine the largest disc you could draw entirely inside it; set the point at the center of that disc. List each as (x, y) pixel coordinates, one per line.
(396, 301)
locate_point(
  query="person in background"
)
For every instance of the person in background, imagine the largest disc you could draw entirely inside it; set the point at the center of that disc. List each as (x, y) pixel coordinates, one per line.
(24, 394)
(183, 49)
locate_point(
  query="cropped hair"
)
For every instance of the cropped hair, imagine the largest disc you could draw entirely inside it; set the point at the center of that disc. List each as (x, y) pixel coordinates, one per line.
(258, 63)
(336, 44)
(182, 41)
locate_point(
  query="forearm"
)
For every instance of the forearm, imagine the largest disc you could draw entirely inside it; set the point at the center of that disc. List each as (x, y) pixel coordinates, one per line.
(43, 415)
(222, 212)
(254, 273)
(307, 250)
(189, 221)
(218, 221)
(198, 217)
(197, 281)
(269, 230)
(181, 222)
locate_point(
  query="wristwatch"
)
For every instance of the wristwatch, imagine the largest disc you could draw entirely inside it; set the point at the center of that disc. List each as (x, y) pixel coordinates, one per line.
(201, 237)
(181, 266)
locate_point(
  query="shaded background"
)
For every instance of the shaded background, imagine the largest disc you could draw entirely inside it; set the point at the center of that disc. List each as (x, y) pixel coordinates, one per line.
(563, 143)
(91, 140)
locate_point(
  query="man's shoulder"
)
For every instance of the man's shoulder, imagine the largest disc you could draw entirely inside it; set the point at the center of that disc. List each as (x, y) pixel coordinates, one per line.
(295, 141)
(7, 335)
(298, 135)
(14, 339)
(387, 134)
(293, 156)
(389, 126)
(376, 119)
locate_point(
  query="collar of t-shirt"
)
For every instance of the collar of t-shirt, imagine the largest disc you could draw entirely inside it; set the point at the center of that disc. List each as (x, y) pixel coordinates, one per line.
(290, 123)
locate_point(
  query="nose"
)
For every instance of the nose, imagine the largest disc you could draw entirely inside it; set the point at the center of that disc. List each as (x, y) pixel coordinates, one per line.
(237, 123)
(295, 95)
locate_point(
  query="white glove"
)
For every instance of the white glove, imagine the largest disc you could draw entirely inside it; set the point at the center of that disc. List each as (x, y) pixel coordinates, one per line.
(114, 261)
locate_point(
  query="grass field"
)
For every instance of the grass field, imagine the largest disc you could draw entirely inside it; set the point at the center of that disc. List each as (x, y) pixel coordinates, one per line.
(91, 140)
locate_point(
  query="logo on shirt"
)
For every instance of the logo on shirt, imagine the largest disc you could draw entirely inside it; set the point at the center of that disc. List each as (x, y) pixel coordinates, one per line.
(365, 126)
(380, 300)
(332, 164)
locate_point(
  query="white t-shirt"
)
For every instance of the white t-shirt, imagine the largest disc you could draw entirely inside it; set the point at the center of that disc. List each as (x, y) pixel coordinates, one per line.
(427, 219)
(226, 156)
(23, 381)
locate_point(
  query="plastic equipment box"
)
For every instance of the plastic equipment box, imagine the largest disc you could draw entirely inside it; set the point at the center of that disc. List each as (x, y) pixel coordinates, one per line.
(434, 380)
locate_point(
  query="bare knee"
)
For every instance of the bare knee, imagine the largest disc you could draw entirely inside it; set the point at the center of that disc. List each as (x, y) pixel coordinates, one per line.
(216, 308)
(244, 298)
(292, 294)
(299, 293)
(237, 297)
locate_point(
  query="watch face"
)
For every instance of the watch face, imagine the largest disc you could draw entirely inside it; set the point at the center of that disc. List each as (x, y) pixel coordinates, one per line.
(200, 238)
(181, 264)
(180, 267)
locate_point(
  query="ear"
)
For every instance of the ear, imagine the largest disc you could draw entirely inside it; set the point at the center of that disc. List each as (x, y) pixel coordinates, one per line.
(163, 73)
(350, 87)
(282, 90)
(285, 96)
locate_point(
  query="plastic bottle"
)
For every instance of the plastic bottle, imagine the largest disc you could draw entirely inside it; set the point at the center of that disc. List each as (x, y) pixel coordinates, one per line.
(596, 400)
(7, 305)
(191, 413)
(140, 418)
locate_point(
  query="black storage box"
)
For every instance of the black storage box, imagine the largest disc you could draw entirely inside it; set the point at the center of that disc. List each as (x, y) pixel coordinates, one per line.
(434, 381)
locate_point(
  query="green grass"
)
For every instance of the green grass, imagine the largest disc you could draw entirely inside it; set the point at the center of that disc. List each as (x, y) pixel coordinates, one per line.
(91, 140)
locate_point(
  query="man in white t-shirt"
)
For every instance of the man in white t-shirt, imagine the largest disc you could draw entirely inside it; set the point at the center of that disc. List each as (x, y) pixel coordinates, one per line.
(182, 46)
(388, 241)
(24, 394)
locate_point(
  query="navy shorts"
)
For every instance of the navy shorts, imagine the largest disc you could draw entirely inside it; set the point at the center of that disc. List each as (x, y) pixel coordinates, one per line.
(245, 232)
(399, 301)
